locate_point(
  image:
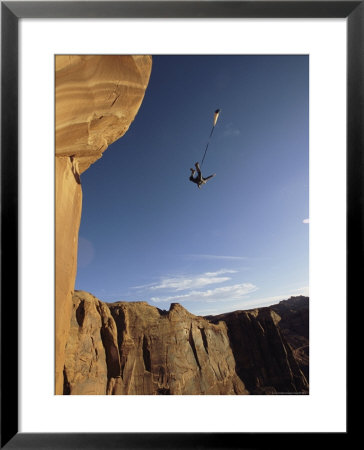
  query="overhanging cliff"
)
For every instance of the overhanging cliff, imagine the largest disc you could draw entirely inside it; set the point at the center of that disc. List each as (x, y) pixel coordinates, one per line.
(97, 98)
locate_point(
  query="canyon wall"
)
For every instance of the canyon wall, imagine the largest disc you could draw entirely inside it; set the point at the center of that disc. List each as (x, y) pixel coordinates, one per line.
(135, 348)
(97, 98)
(294, 325)
(264, 359)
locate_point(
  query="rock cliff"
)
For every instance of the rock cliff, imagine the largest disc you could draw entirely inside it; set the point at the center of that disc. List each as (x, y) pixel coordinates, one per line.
(97, 98)
(294, 314)
(264, 359)
(134, 348)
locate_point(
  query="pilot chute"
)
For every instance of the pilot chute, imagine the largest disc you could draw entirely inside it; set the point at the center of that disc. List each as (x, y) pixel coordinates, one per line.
(216, 116)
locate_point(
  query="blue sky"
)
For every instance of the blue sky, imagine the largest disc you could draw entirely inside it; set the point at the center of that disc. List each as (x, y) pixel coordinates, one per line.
(148, 233)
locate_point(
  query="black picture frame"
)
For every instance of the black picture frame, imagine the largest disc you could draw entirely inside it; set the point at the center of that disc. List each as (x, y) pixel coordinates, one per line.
(11, 12)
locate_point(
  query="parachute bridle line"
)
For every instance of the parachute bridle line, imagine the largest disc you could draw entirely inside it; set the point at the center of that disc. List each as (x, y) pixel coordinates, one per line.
(217, 112)
(207, 146)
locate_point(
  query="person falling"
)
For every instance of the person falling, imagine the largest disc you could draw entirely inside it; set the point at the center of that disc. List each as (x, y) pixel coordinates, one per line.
(199, 179)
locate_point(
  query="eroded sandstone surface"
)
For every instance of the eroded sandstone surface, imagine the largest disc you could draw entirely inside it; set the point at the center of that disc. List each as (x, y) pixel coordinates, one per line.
(134, 348)
(264, 359)
(97, 98)
(294, 325)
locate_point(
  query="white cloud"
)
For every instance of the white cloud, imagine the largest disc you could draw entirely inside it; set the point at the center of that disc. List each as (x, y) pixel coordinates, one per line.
(230, 130)
(219, 272)
(245, 303)
(142, 286)
(182, 283)
(306, 221)
(224, 257)
(220, 294)
(268, 301)
(301, 291)
(259, 302)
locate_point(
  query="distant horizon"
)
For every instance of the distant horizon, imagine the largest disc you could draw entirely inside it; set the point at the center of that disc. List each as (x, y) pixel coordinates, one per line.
(177, 303)
(241, 241)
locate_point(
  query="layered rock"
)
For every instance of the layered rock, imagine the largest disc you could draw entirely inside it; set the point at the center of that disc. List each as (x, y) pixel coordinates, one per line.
(92, 355)
(294, 325)
(97, 98)
(68, 216)
(264, 359)
(135, 348)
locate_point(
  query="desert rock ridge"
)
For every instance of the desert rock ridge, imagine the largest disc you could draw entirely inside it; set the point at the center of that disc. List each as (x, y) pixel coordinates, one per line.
(133, 348)
(265, 361)
(97, 98)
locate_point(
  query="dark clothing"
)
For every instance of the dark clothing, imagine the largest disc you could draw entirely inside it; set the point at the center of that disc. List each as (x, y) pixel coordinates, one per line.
(194, 180)
(199, 180)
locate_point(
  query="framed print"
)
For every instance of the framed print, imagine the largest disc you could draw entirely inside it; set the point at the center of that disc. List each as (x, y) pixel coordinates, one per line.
(292, 73)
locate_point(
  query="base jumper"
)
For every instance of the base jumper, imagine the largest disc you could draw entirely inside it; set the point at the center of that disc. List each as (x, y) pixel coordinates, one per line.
(199, 179)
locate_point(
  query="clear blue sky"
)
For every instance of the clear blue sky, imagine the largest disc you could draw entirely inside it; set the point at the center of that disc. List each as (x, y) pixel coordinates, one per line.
(148, 233)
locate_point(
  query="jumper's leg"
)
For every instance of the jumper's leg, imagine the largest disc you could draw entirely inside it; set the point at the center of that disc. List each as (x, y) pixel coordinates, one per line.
(211, 176)
(197, 165)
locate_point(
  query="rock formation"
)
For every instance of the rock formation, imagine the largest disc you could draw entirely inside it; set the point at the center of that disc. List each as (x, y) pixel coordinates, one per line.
(264, 359)
(294, 314)
(92, 354)
(97, 98)
(134, 348)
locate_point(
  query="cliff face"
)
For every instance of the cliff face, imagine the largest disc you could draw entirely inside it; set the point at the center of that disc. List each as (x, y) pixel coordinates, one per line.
(264, 359)
(135, 348)
(294, 325)
(97, 98)
(68, 215)
(92, 354)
